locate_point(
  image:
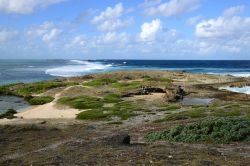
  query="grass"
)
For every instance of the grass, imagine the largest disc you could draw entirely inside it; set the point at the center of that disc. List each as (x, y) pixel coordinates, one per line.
(112, 98)
(9, 114)
(216, 130)
(128, 85)
(170, 108)
(92, 115)
(123, 110)
(100, 82)
(24, 90)
(40, 100)
(82, 102)
(223, 113)
(193, 113)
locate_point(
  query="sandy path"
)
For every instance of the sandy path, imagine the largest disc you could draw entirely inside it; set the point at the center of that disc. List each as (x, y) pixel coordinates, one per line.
(49, 111)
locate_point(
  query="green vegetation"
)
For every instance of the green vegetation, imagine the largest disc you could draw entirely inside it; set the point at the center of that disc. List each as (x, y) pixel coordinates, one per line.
(218, 130)
(9, 114)
(24, 90)
(112, 98)
(193, 113)
(123, 110)
(82, 102)
(158, 79)
(92, 115)
(100, 82)
(128, 85)
(223, 113)
(40, 100)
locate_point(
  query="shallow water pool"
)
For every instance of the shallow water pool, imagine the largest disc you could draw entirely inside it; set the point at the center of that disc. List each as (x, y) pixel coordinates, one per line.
(196, 101)
(12, 102)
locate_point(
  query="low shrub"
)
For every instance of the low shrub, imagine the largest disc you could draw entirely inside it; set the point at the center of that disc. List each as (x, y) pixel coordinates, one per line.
(112, 98)
(40, 100)
(92, 115)
(82, 102)
(217, 130)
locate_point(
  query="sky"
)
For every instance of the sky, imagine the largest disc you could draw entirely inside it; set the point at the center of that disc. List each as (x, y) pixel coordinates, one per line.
(125, 29)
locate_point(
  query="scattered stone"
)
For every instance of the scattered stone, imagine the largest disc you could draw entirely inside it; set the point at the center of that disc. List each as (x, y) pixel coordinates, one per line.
(43, 122)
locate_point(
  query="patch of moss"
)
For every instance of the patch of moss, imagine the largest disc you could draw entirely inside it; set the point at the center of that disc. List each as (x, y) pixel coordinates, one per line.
(40, 100)
(100, 82)
(112, 98)
(82, 102)
(218, 130)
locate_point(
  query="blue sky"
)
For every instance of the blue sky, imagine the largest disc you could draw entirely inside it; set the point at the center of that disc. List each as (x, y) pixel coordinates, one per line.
(116, 29)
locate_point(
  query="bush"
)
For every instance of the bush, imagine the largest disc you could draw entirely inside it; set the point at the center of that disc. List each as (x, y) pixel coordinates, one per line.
(218, 130)
(82, 102)
(112, 98)
(100, 82)
(9, 114)
(92, 115)
(40, 100)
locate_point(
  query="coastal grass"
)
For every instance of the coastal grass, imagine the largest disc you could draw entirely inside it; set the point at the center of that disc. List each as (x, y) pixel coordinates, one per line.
(112, 98)
(82, 102)
(21, 89)
(100, 82)
(189, 114)
(128, 85)
(215, 130)
(124, 110)
(40, 100)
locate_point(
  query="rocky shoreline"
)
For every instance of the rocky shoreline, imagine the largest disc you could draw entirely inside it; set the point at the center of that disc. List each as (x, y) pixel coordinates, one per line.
(102, 118)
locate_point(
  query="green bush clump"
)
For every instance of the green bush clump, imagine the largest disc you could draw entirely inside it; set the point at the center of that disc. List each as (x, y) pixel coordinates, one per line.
(112, 98)
(40, 100)
(82, 102)
(9, 114)
(123, 110)
(100, 82)
(92, 115)
(217, 130)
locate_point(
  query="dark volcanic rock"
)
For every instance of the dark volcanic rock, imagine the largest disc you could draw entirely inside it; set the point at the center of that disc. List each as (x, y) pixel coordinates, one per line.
(119, 139)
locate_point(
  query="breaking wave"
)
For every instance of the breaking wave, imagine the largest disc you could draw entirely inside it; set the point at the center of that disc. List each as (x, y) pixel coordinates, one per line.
(77, 68)
(245, 89)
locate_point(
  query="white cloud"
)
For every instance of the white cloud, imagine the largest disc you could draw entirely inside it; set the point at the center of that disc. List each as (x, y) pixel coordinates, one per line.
(223, 27)
(150, 30)
(109, 13)
(173, 7)
(225, 34)
(24, 6)
(111, 25)
(109, 20)
(113, 37)
(77, 42)
(234, 10)
(6, 35)
(193, 20)
(47, 32)
(51, 35)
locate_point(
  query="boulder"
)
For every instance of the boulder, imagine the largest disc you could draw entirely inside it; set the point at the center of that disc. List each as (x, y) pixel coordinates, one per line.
(118, 139)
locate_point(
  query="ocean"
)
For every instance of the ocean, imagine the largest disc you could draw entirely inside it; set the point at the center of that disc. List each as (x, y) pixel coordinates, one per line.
(13, 71)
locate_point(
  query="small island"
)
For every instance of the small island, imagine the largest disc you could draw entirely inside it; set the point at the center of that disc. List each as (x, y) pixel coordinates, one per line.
(126, 118)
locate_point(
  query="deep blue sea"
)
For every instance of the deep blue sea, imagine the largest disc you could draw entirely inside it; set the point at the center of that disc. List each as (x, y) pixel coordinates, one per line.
(12, 71)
